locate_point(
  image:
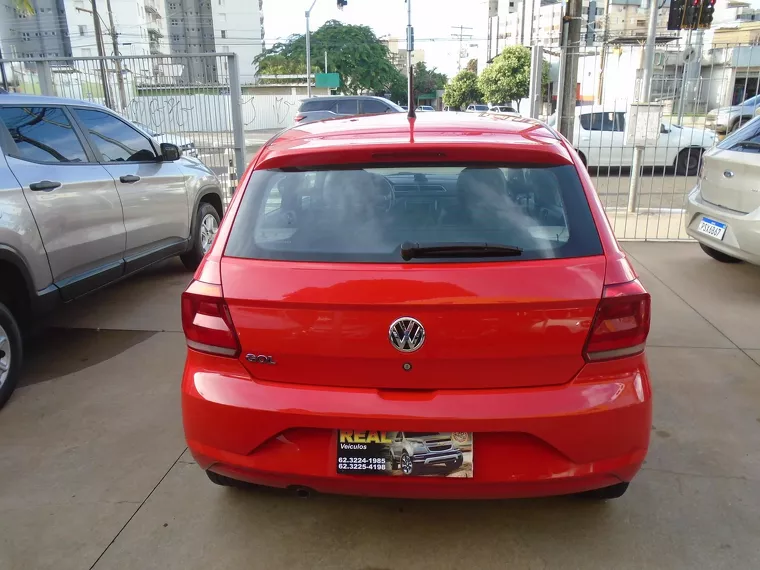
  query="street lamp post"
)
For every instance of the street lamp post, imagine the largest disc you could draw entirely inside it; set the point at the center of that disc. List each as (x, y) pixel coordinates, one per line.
(308, 51)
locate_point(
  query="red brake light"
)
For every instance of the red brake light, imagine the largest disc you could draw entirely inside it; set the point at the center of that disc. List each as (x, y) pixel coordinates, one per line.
(206, 320)
(621, 323)
(299, 117)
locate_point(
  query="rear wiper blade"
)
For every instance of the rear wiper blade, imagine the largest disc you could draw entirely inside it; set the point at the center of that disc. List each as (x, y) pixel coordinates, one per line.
(411, 250)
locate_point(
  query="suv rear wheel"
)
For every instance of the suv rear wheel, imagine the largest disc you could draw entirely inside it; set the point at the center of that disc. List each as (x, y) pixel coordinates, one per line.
(204, 230)
(10, 354)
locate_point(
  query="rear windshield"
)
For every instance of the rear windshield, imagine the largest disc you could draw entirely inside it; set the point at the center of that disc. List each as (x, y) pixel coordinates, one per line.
(745, 139)
(365, 215)
(316, 105)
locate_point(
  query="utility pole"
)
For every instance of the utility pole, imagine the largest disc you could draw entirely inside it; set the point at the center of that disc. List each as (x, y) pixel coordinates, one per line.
(572, 42)
(603, 58)
(409, 71)
(646, 82)
(460, 36)
(101, 54)
(308, 50)
(2, 71)
(115, 42)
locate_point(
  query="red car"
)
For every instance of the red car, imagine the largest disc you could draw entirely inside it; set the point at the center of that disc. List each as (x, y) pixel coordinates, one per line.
(429, 308)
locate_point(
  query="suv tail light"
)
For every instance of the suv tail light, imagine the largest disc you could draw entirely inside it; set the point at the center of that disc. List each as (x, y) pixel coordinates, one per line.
(206, 320)
(621, 323)
(299, 117)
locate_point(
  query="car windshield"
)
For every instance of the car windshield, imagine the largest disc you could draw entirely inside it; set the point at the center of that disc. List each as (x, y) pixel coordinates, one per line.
(481, 107)
(746, 138)
(366, 215)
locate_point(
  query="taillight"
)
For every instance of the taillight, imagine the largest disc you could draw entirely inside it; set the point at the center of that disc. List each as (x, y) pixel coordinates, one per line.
(299, 117)
(621, 323)
(206, 320)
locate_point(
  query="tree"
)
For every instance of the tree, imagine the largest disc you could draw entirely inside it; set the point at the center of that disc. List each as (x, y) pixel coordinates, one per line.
(472, 65)
(354, 52)
(508, 77)
(426, 80)
(462, 90)
(23, 6)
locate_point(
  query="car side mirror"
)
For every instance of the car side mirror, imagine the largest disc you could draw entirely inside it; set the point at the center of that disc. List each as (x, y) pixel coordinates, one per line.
(170, 152)
(664, 130)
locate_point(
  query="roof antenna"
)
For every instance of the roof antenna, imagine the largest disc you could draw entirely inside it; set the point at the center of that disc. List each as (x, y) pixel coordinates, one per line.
(411, 114)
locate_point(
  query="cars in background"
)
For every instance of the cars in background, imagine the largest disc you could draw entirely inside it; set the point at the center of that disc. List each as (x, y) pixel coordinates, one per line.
(503, 109)
(394, 274)
(723, 210)
(599, 138)
(85, 200)
(727, 119)
(185, 145)
(425, 108)
(336, 106)
(477, 108)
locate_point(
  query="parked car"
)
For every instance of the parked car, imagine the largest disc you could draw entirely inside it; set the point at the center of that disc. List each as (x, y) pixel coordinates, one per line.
(367, 277)
(477, 108)
(727, 119)
(503, 109)
(425, 108)
(332, 107)
(415, 451)
(185, 145)
(723, 210)
(599, 138)
(87, 199)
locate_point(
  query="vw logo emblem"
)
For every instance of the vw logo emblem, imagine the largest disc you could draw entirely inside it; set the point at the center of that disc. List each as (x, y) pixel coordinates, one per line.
(407, 334)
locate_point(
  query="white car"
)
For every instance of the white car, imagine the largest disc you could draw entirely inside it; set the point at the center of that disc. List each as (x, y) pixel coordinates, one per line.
(187, 146)
(599, 138)
(425, 108)
(723, 211)
(504, 109)
(477, 108)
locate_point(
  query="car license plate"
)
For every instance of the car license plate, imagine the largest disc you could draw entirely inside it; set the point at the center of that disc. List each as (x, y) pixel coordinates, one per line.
(712, 228)
(398, 453)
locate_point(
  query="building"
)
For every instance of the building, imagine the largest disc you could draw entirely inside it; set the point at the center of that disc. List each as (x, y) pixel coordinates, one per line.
(216, 26)
(398, 55)
(531, 22)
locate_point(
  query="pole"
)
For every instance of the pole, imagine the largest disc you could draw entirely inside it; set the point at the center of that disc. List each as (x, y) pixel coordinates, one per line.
(536, 68)
(236, 97)
(325, 61)
(522, 23)
(570, 69)
(2, 71)
(308, 50)
(101, 54)
(603, 58)
(409, 49)
(115, 42)
(646, 83)
(461, 35)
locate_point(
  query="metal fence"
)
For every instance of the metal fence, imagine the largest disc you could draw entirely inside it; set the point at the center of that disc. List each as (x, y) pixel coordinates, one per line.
(193, 101)
(690, 82)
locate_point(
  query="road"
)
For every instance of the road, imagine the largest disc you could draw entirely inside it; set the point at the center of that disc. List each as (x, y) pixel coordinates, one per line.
(94, 473)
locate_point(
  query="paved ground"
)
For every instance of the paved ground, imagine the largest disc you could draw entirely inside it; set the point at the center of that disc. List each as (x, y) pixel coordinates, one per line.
(94, 474)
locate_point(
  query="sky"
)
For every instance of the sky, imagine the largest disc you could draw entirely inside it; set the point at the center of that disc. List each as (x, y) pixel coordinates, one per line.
(432, 20)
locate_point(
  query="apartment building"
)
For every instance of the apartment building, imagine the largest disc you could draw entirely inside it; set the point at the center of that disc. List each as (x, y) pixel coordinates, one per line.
(399, 55)
(216, 26)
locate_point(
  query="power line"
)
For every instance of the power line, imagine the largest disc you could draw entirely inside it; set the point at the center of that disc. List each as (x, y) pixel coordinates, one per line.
(460, 36)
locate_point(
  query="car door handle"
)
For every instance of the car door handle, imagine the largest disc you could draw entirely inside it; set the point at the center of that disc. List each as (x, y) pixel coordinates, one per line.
(44, 186)
(129, 179)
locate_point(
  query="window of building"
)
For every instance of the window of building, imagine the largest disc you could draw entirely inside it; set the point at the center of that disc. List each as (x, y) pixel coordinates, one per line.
(221, 2)
(82, 30)
(224, 34)
(174, 22)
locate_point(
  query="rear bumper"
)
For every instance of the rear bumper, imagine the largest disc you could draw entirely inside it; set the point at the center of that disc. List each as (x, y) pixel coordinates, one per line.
(742, 237)
(589, 433)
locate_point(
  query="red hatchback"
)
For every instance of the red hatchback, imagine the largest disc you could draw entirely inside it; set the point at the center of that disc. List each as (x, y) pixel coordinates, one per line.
(418, 308)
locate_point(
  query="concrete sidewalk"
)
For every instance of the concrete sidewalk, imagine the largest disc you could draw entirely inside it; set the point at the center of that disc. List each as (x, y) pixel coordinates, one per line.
(94, 473)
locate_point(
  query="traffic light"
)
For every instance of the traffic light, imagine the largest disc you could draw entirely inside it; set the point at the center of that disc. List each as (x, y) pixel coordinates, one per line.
(342, 4)
(691, 15)
(675, 16)
(706, 14)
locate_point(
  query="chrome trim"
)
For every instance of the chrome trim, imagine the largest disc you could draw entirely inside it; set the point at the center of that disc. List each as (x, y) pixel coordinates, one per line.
(406, 334)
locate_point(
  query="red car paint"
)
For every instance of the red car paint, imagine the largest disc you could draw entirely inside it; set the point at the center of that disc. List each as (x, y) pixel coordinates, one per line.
(524, 354)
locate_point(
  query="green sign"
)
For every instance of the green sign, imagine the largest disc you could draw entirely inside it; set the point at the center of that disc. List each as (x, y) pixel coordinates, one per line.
(426, 96)
(327, 80)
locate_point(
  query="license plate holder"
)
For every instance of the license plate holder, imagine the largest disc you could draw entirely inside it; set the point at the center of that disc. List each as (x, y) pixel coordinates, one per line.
(712, 228)
(433, 454)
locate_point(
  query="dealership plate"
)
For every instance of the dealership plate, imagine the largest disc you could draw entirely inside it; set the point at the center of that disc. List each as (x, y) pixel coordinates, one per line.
(712, 228)
(404, 454)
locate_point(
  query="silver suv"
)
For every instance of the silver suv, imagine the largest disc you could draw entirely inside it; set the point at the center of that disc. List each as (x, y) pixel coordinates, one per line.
(415, 451)
(337, 106)
(87, 199)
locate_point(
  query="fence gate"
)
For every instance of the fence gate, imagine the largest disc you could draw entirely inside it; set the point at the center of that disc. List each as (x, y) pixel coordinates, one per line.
(193, 101)
(689, 83)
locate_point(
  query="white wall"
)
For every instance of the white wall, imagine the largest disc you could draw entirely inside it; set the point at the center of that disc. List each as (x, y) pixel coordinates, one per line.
(211, 113)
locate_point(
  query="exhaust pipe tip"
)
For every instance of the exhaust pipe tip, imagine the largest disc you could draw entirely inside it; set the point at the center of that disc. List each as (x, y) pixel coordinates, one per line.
(302, 492)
